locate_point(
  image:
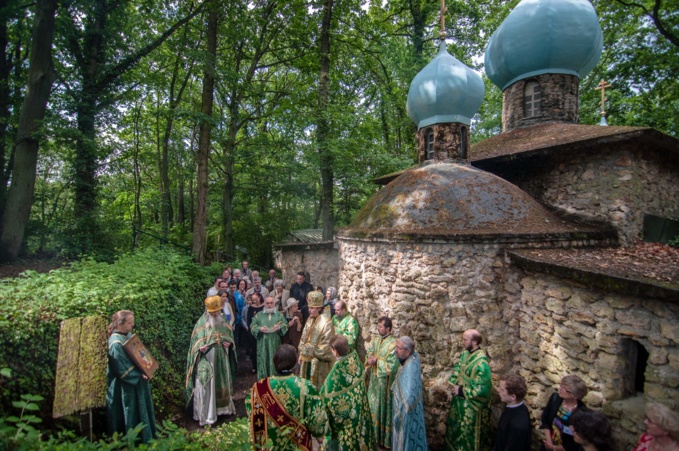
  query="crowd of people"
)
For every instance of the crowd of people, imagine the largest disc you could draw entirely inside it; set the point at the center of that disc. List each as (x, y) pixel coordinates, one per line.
(317, 380)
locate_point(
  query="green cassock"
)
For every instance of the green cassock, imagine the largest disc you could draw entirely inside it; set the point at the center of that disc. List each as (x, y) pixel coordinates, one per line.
(468, 426)
(300, 400)
(267, 342)
(349, 327)
(382, 375)
(210, 374)
(346, 401)
(128, 395)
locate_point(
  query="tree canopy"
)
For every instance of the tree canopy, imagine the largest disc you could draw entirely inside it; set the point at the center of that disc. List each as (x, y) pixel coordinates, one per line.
(308, 105)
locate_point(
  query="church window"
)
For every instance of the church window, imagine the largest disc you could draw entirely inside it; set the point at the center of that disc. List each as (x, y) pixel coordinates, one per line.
(532, 99)
(635, 367)
(429, 136)
(463, 142)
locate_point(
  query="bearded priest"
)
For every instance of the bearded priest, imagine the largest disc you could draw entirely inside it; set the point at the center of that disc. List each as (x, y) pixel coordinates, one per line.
(268, 326)
(211, 365)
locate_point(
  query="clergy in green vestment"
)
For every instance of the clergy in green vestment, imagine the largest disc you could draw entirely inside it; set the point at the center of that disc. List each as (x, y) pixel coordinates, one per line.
(346, 324)
(128, 393)
(211, 365)
(346, 401)
(468, 426)
(382, 366)
(285, 409)
(268, 326)
(315, 356)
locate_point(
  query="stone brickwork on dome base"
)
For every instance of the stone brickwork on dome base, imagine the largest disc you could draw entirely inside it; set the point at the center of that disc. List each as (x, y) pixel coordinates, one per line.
(320, 260)
(447, 142)
(559, 101)
(538, 325)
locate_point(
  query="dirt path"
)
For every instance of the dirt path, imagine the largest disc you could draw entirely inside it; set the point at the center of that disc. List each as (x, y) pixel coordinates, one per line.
(37, 264)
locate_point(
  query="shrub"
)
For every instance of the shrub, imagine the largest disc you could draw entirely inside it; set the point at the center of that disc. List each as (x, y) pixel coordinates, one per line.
(164, 289)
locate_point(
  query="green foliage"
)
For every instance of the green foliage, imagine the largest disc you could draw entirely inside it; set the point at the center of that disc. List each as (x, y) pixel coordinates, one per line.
(232, 436)
(163, 288)
(229, 436)
(674, 242)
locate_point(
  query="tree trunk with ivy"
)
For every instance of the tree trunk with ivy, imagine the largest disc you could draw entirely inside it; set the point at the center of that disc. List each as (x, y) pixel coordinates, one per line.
(40, 78)
(199, 230)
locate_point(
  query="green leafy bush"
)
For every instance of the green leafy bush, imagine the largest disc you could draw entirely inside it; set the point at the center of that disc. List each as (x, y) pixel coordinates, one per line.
(674, 242)
(164, 289)
(231, 436)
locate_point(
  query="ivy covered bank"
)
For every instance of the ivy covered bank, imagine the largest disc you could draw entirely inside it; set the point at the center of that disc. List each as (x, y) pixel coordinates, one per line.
(164, 289)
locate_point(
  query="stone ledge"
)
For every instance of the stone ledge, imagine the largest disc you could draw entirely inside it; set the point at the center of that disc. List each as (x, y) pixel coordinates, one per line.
(640, 286)
(307, 246)
(582, 238)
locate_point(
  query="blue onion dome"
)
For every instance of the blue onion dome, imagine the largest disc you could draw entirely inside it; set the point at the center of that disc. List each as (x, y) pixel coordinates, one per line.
(444, 91)
(544, 37)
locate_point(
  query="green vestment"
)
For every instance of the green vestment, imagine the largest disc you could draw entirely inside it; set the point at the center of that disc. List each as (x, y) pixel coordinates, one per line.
(301, 400)
(128, 395)
(349, 327)
(210, 374)
(314, 349)
(379, 389)
(267, 342)
(345, 398)
(468, 426)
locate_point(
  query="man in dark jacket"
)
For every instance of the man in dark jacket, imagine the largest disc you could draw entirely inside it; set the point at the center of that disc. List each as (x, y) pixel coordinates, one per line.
(299, 291)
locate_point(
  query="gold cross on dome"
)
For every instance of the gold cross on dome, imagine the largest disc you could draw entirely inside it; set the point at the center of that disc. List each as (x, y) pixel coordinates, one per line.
(442, 19)
(603, 84)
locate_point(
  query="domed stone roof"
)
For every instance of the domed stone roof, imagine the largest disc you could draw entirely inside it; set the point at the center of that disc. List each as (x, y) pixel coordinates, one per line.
(454, 199)
(444, 91)
(544, 36)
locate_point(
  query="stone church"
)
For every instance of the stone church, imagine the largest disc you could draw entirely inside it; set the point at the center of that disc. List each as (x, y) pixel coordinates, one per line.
(531, 236)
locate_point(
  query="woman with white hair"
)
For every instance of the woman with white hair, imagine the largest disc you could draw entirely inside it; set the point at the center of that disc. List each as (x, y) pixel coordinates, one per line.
(662, 429)
(331, 297)
(280, 294)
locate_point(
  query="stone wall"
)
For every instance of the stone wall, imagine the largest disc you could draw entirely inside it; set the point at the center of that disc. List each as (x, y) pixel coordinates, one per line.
(320, 260)
(565, 328)
(559, 101)
(540, 326)
(433, 292)
(448, 143)
(617, 184)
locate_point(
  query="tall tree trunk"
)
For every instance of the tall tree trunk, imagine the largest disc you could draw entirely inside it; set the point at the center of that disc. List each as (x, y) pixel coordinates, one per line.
(227, 190)
(137, 219)
(180, 193)
(199, 231)
(323, 127)
(192, 209)
(40, 78)
(419, 24)
(167, 213)
(5, 69)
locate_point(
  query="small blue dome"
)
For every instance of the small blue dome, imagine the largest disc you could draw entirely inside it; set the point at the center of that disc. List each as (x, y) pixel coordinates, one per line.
(544, 37)
(444, 91)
